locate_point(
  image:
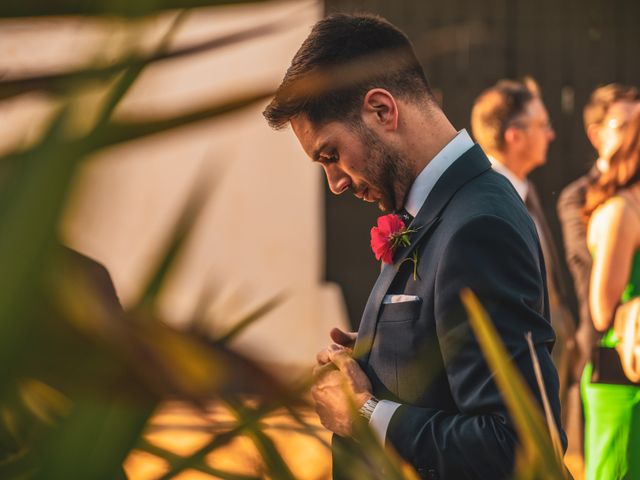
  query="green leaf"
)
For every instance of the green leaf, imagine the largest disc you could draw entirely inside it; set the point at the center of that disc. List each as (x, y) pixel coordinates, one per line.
(551, 424)
(118, 132)
(192, 462)
(59, 83)
(31, 201)
(250, 319)
(179, 464)
(93, 441)
(180, 232)
(125, 8)
(274, 462)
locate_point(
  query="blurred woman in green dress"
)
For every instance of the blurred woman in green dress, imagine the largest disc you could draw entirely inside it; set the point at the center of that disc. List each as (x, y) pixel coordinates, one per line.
(611, 399)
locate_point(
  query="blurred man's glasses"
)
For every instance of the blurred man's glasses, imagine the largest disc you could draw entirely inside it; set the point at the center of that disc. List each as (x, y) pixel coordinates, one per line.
(523, 124)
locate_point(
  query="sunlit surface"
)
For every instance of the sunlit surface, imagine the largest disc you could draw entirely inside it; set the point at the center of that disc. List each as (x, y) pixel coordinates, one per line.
(575, 464)
(182, 430)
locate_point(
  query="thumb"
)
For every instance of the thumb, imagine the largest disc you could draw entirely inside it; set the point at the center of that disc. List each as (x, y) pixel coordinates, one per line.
(346, 339)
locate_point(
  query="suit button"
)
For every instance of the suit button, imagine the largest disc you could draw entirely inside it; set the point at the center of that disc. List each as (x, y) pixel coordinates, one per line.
(428, 473)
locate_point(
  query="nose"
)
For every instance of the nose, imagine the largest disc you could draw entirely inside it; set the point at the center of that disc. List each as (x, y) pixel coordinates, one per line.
(551, 134)
(338, 180)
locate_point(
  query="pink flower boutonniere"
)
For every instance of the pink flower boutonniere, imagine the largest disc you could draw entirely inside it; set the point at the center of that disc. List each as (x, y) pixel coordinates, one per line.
(390, 234)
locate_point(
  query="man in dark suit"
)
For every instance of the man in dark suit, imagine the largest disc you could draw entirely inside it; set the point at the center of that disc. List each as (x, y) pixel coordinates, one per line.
(605, 117)
(510, 122)
(360, 105)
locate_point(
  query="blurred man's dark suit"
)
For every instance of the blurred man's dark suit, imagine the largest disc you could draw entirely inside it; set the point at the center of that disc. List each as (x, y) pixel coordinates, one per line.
(574, 232)
(561, 297)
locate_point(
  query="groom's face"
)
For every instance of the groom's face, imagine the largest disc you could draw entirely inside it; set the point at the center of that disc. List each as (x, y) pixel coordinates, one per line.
(354, 158)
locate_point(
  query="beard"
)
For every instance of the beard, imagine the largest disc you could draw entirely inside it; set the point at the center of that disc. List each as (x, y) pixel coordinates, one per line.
(387, 171)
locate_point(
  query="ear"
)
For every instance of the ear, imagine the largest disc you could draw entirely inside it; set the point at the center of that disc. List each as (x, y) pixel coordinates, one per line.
(512, 136)
(593, 134)
(379, 109)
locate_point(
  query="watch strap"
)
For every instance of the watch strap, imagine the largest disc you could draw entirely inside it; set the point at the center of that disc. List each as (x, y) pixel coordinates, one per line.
(366, 410)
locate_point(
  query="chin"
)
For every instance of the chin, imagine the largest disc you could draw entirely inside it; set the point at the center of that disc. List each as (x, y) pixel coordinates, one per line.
(384, 202)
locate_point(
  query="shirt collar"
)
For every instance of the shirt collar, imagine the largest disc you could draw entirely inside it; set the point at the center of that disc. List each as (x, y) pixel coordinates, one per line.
(425, 181)
(521, 186)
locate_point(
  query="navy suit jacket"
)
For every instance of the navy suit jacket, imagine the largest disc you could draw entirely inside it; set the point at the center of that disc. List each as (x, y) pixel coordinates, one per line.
(473, 231)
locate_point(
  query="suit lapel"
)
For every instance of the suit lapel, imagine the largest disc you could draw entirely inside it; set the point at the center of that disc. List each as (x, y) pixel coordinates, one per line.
(471, 164)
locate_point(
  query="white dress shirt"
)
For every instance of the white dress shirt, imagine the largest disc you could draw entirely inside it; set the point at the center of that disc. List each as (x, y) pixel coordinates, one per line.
(426, 180)
(420, 190)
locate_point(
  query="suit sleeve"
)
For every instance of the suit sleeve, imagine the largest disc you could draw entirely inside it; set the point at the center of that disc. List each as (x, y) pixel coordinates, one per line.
(504, 269)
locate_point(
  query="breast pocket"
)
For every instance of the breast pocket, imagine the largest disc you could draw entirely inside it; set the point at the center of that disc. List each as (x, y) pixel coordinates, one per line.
(395, 344)
(400, 311)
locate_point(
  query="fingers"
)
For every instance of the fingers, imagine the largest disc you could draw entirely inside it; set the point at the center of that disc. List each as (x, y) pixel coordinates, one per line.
(322, 357)
(341, 378)
(346, 339)
(341, 357)
(321, 370)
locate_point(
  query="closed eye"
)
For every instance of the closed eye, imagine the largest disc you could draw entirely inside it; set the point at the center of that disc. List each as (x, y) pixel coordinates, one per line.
(328, 158)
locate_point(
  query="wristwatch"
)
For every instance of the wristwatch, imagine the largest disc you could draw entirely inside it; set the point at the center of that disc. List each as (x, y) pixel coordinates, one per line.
(367, 409)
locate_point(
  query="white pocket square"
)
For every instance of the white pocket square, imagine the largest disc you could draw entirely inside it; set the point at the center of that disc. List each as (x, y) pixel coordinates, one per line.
(399, 299)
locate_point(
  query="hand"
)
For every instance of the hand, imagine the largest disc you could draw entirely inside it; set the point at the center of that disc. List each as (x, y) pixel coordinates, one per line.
(338, 392)
(346, 339)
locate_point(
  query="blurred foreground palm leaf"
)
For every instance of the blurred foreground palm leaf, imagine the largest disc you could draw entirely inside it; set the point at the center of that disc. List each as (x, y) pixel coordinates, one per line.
(65, 82)
(125, 8)
(81, 377)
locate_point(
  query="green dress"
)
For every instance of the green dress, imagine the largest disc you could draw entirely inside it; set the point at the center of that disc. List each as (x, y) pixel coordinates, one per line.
(612, 414)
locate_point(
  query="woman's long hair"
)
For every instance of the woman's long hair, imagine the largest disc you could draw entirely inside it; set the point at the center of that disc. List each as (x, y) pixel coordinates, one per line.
(624, 170)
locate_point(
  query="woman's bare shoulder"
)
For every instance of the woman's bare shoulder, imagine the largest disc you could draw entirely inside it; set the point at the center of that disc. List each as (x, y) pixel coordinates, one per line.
(617, 216)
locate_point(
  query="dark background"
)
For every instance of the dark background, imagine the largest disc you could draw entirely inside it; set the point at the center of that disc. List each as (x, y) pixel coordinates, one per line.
(569, 47)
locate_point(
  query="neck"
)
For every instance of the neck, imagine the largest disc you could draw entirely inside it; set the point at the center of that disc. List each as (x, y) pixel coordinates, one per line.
(428, 135)
(516, 167)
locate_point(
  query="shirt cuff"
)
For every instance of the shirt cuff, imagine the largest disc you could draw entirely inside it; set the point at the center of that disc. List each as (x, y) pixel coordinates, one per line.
(380, 418)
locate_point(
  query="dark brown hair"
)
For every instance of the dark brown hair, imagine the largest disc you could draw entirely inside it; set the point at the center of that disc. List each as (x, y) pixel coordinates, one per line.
(343, 57)
(602, 98)
(497, 108)
(624, 170)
